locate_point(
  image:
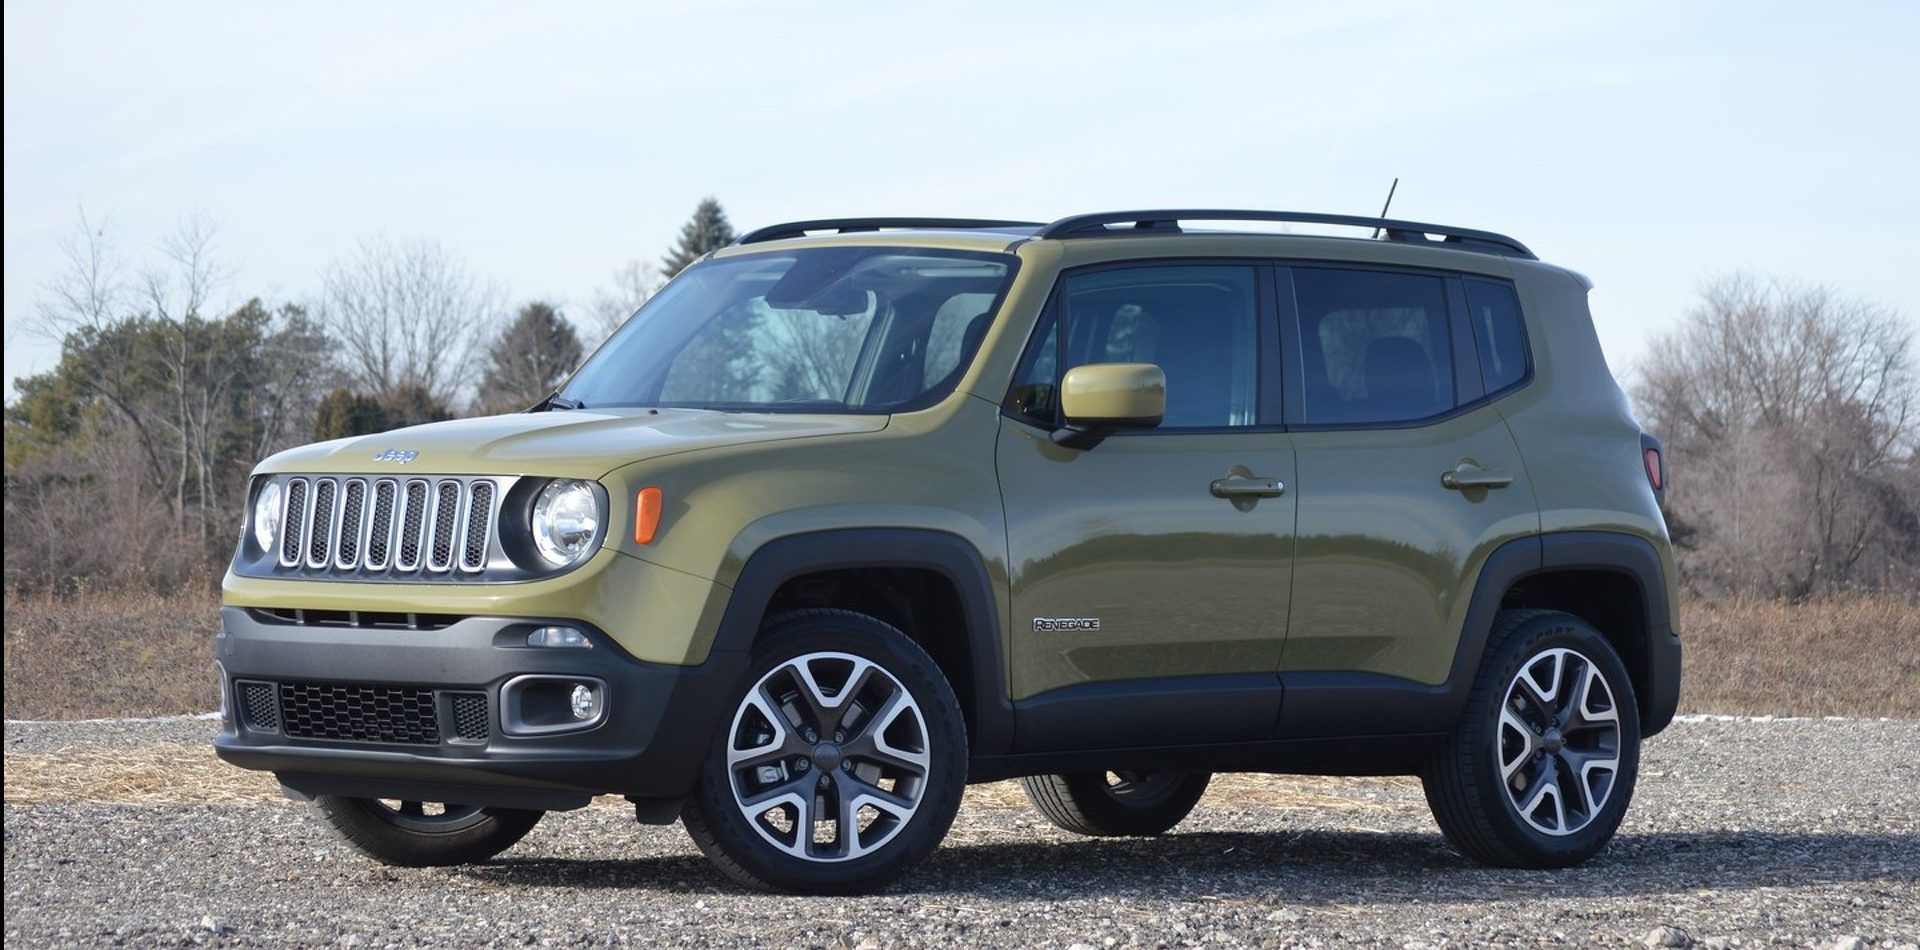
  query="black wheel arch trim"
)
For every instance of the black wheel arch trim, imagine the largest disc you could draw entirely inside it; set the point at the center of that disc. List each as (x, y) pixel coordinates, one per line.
(949, 555)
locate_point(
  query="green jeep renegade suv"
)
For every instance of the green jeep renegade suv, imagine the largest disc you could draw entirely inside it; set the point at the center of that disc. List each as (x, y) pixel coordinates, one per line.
(856, 512)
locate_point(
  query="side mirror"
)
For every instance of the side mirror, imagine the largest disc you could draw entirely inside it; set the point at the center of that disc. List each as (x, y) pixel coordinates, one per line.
(1100, 398)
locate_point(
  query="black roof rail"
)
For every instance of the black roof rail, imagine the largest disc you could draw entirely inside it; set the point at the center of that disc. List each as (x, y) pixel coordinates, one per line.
(1168, 221)
(794, 229)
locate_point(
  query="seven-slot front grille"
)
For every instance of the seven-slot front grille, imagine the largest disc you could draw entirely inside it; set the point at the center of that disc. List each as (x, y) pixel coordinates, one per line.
(375, 525)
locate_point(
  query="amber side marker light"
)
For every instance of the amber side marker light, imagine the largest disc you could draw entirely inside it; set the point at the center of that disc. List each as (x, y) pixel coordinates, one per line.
(646, 515)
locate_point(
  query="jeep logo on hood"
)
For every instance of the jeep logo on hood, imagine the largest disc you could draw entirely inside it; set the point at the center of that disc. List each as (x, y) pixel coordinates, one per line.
(403, 456)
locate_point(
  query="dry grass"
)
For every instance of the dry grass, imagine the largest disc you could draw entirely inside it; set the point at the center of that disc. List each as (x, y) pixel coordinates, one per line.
(130, 654)
(165, 774)
(1857, 656)
(100, 654)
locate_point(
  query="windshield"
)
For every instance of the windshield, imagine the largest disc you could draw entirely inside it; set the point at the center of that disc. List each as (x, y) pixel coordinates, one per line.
(825, 329)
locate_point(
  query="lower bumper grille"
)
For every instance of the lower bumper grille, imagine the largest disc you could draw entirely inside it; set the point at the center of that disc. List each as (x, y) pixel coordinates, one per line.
(348, 712)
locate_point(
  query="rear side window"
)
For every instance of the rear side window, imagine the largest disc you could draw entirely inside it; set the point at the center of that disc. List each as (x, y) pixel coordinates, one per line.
(1498, 331)
(1374, 346)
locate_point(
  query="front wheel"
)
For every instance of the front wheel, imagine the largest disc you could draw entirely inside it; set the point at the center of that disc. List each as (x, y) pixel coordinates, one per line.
(424, 834)
(842, 765)
(1539, 771)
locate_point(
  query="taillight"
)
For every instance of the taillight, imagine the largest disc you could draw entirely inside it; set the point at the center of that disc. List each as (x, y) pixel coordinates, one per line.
(1654, 462)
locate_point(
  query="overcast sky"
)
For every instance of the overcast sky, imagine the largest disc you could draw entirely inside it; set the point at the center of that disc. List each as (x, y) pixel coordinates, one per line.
(1650, 146)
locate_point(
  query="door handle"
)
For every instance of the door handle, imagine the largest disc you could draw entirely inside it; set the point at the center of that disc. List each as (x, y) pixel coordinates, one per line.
(1467, 475)
(1245, 486)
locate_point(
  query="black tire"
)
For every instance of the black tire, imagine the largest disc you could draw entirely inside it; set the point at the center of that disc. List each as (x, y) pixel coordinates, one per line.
(410, 835)
(1479, 811)
(1117, 804)
(746, 848)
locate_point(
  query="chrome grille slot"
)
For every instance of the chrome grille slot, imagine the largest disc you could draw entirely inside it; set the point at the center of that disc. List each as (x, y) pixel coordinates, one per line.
(446, 525)
(371, 527)
(322, 522)
(380, 524)
(413, 524)
(352, 538)
(479, 525)
(293, 522)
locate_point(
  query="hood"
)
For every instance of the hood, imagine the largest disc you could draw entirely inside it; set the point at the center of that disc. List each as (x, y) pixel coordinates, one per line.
(576, 443)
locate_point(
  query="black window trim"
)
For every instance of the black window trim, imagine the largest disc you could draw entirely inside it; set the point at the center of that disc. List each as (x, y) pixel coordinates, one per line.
(1268, 394)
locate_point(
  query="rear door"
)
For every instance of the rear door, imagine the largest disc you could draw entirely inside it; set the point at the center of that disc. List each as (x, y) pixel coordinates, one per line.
(1407, 480)
(1149, 592)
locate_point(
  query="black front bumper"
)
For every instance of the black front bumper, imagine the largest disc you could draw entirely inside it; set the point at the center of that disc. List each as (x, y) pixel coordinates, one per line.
(657, 726)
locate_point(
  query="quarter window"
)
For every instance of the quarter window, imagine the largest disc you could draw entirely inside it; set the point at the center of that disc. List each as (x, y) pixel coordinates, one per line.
(1373, 346)
(1199, 324)
(1498, 332)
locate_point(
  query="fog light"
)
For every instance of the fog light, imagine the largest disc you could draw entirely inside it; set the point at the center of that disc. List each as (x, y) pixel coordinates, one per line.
(559, 637)
(586, 705)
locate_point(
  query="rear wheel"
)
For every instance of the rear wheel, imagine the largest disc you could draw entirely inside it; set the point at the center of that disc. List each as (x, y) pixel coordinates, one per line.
(843, 763)
(1117, 803)
(1539, 771)
(424, 834)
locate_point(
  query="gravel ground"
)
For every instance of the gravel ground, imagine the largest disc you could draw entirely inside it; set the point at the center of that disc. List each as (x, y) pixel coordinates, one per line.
(1743, 833)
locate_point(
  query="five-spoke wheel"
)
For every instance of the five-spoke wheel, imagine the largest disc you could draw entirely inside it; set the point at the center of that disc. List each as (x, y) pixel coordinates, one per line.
(1539, 770)
(842, 763)
(1559, 741)
(828, 756)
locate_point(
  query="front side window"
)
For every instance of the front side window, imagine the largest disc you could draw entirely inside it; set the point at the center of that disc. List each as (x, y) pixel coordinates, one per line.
(829, 329)
(1374, 346)
(1199, 324)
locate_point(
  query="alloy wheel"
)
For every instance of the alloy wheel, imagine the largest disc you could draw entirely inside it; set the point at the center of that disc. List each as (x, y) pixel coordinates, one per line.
(1558, 741)
(827, 756)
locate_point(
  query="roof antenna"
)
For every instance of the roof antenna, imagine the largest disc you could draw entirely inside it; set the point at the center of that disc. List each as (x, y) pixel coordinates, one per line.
(1389, 203)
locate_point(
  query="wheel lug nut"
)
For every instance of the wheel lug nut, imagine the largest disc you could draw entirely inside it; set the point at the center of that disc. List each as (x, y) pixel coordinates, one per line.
(812, 736)
(803, 765)
(839, 736)
(846, 766)
(825, 780)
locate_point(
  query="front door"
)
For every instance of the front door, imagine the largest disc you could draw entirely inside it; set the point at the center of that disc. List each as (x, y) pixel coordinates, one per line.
(1150, 573)
(1407, 479)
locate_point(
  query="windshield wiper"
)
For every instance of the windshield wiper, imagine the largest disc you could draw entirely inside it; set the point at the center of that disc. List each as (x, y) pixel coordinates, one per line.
(557, 401)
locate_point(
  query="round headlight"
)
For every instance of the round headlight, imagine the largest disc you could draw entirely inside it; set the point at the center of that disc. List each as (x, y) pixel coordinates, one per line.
(266, 516)
(565, 519)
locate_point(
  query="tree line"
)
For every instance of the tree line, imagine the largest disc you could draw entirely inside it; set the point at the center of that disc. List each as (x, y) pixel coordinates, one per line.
(1790, 413)
(127, 461)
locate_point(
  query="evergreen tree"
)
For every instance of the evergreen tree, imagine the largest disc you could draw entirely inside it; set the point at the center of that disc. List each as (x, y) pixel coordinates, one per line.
(533, 354)
(707, 230)
(413, 405)
(347, 413)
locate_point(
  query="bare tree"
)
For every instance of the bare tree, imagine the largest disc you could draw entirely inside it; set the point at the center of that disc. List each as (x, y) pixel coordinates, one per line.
(408, 314)
(91, 289)
(1790, 414)
(633, 284)
(153, 370)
